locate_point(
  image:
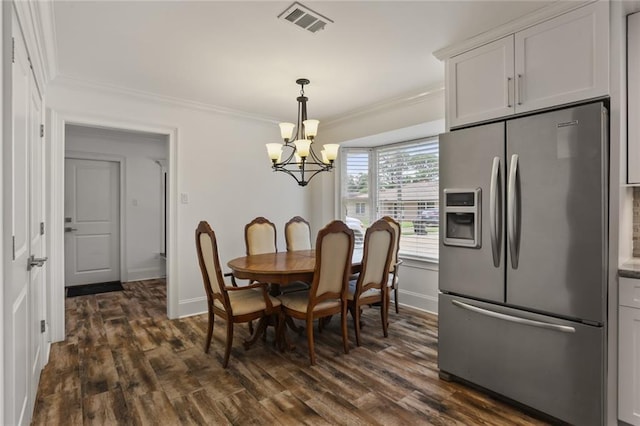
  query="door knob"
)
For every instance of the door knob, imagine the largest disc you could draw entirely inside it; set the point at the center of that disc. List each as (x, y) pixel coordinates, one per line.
(69, 229)
(36, 261)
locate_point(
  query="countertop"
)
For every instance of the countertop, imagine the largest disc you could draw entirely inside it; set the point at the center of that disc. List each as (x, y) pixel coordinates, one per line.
(630, 269)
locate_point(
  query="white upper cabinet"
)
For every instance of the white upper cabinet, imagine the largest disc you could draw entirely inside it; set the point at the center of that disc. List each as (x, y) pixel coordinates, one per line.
(564, 59)
(633, 99)
(483, 86)
(558, 61)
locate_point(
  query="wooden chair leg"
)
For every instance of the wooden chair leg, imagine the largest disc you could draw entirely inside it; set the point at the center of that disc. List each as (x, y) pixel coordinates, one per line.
(209, 332)
(312, 353)
(345, 337)
(384, 313)
(355, 312)
(250, 327)
(227, 349)
(395, 298)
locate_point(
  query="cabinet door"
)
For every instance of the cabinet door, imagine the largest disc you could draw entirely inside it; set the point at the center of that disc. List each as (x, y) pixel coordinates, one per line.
(480, 83)
(564, 59)
(633, 98)
(629, 367)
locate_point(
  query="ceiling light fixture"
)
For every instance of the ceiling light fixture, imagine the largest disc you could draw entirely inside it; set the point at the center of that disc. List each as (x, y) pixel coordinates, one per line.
(300, 159)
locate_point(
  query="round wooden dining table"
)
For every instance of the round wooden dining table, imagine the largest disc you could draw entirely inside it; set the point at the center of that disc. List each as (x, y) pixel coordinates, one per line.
(277, 269)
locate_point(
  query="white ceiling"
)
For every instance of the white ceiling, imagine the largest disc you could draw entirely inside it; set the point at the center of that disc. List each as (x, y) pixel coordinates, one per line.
(238, 55)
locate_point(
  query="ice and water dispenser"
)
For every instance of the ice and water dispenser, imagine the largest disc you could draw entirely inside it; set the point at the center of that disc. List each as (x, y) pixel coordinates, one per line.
(462, 209)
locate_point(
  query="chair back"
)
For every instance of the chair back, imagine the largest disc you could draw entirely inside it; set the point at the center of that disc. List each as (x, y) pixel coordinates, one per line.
(297, 233)
(396, 245)
(207, 248)
(334, 249)
(378, 251)
(260, 236)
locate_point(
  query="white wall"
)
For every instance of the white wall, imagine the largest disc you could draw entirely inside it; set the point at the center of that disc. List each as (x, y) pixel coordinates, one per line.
(143, 186)
(401, 121)
(221, 164)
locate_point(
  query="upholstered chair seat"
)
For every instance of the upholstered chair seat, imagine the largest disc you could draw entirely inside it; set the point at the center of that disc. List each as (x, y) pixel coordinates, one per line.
(299, 302)
(244, 302)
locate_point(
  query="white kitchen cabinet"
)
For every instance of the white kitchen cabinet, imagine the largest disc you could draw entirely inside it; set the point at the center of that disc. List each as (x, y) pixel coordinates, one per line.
(558, 61)
(629, 351)
(483, 83)
(633, 98)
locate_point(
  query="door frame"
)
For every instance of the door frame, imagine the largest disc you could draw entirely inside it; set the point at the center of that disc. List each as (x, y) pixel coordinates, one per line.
(56, 124)
(122, 163)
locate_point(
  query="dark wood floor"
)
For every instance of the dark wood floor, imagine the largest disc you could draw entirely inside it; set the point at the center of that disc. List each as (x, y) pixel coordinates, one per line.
(124, 362)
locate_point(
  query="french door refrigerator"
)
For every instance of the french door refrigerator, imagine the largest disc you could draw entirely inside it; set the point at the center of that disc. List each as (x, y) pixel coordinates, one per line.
(523, 259)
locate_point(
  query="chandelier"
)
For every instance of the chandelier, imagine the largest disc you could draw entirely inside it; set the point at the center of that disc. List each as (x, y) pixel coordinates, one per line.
(296, 156)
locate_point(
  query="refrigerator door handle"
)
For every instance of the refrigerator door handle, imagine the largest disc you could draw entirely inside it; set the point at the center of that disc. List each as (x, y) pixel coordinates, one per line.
(517, 320)
(495, 213)
(512, 212)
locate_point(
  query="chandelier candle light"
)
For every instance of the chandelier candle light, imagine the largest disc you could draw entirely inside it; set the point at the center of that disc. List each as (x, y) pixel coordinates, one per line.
(301, 161)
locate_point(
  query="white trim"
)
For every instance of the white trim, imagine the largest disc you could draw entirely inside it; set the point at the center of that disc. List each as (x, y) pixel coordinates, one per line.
(29, 26)
(526, 21)
(141, 274)
(194, 306)
(59, 119)
(386, 105)
(73, 82)
(418, 301)
(46, 33)
(6, 111)
(122, 164)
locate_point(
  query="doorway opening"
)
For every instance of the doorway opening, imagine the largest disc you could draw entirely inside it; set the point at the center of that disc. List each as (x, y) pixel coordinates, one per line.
(115, 209)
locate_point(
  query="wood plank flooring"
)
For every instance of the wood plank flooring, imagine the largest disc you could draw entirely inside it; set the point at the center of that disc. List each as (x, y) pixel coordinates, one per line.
(125, 363)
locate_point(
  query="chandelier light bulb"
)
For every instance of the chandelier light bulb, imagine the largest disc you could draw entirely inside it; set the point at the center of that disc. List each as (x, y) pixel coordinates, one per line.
(302, 147)
(274, 150)
(331, 150)
(286, 131)
(310, 128)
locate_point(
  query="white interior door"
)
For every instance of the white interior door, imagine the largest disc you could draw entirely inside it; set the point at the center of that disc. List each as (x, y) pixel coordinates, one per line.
(25, 293)
(92, 221)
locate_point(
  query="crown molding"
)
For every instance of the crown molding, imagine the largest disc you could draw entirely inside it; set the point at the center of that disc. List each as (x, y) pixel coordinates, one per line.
(29, 27)
(45, 28)
(519, 24)
(386, 105)
(73, 82)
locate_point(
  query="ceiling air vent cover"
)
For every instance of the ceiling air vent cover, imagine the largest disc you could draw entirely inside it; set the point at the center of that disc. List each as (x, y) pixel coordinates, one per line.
(304, 17)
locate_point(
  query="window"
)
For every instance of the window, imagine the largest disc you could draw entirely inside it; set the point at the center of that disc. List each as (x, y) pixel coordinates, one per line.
(401, 181)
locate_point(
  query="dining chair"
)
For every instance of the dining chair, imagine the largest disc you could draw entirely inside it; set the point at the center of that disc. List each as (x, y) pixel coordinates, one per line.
(394, 266)
(328, 293)
(297, 233)
(371, 285)
(260, 236)
(233, 304)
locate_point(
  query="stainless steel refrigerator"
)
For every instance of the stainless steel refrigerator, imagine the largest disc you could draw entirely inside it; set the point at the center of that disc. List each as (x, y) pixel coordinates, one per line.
(523, 259)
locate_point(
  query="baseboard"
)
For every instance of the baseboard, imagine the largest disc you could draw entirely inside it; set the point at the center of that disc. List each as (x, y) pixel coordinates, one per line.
(145, 274)
(419, 301)
(190, 307)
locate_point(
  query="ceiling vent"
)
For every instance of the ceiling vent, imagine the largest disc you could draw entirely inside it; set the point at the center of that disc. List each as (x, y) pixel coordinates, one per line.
(304, 17)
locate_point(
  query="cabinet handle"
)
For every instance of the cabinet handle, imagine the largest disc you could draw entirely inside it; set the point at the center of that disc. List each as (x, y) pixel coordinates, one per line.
(509, 104)
(519, 89)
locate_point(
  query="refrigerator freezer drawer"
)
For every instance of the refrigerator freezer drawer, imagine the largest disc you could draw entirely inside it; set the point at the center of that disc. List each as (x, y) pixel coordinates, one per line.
(552, 365)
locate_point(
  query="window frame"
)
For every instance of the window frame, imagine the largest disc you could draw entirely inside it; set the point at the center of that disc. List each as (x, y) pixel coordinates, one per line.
(373, 189)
